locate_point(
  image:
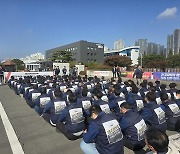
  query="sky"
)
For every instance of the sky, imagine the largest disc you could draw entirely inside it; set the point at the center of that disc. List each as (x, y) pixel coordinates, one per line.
(30, 26)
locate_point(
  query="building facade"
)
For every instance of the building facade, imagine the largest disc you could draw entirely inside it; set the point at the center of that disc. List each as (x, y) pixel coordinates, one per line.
(170, 44)
(33, 58)
(142, 43)
(173, 43)
(82, 51)
(131, 52)
(176, 41)
(119, 44)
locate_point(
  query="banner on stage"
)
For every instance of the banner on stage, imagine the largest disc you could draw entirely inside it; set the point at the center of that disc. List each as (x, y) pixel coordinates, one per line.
(17, 75)
(172, 76)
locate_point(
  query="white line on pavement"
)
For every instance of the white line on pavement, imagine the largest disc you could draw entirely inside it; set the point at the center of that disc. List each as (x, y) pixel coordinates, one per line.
(13, 140)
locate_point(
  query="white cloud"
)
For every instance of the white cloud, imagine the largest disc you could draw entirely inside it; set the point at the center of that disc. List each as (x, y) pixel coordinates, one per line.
(168, 13)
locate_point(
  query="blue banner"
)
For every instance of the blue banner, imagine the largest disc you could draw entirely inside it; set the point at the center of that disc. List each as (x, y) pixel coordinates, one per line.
(172, 76)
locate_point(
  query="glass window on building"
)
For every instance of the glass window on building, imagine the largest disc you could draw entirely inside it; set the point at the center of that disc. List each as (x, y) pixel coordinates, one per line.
(88, 53)
(88, 48)
(91, 54)
(92, 48)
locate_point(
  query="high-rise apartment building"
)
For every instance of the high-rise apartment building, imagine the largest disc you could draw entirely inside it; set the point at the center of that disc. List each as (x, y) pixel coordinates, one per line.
(142, 43)
(118, 44)
(152, 48)
(170, 44)
(173, 43)
(176, 41)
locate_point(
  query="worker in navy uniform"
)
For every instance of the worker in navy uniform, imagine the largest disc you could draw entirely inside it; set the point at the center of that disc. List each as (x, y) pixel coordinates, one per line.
(11, 81)
(162, 89)
(143, 90)
(118, 71)
(172, 90)
(116, 102)
(133, 128)
(74, 71)
(157, 141)
(114, 71)
(33, 95)
(53, 109)
(71, 121)
(135, 100)
(157, 86)
(57, 71)
(138, 73)
(50, 90)
(41, 101)
(1, 75)
(172, 111)
(110, 93)
(154, 114)
(18, 86)
(64, 70)
(98, 101)
(85, 102)
(178, 98)
(103, 135)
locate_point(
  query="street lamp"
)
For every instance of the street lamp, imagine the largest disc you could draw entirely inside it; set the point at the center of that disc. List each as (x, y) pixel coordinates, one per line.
(141, 57)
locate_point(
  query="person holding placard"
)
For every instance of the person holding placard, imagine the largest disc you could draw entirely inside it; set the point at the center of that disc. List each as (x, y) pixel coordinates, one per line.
(42, 101)
(103, 135)
(71, 121)
(154, 114)
(172, 111)
(53, 109)
(133, 128)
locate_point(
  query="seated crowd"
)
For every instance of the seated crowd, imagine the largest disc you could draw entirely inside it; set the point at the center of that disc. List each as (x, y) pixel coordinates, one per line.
(106, 114)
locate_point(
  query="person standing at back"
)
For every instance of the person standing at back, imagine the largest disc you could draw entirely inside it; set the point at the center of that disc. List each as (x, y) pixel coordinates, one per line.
(64, 70)
(118, 71)
(114, 71)
(138, 73)
(1, 75)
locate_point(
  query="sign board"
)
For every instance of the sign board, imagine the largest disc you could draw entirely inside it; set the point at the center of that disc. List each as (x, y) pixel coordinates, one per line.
(17, 75)
(80, 68)
(173, 76)
(99, 73)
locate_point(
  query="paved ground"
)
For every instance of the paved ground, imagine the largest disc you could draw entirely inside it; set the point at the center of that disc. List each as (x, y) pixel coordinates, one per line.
(35, 135)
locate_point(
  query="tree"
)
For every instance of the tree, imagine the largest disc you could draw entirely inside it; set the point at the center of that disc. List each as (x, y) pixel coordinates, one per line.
(121, 61)
(154, 61)
(62, 56)
(173, 60)
(19, 64)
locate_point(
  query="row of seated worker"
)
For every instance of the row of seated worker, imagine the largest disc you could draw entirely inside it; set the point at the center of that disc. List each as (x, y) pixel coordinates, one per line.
(106, 114)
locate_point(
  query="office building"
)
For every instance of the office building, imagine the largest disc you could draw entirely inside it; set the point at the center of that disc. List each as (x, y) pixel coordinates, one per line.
(82, 51)
(132, 52)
